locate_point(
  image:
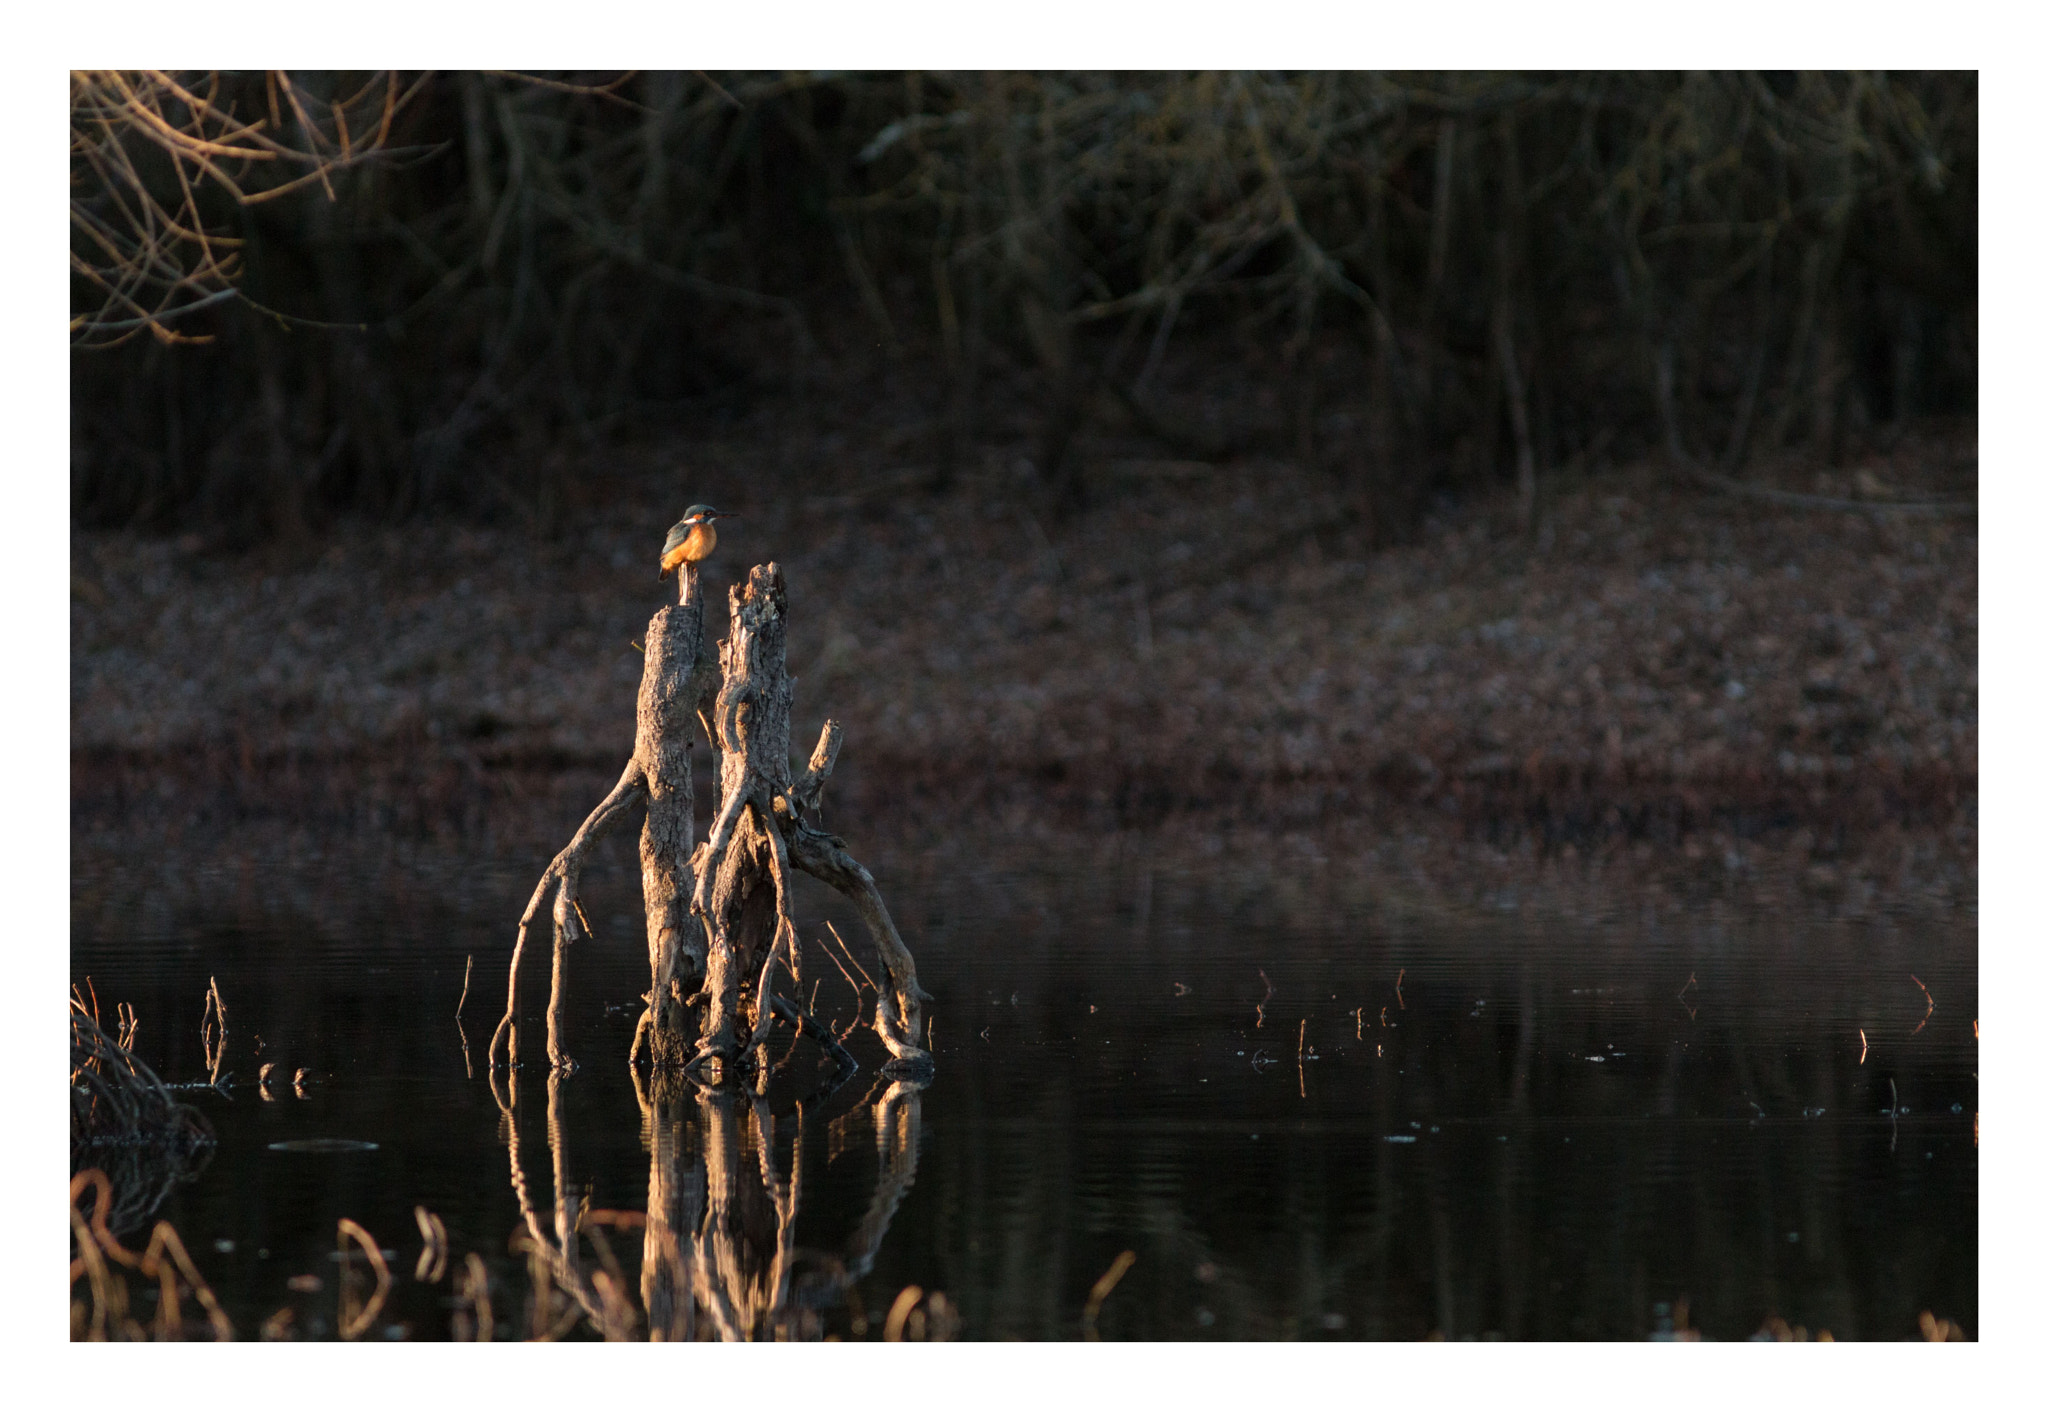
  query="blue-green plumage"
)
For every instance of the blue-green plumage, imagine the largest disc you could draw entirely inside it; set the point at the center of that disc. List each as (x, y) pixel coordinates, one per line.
(691, 539)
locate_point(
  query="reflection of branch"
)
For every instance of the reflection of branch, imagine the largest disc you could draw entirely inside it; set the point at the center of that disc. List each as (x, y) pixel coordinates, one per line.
(213, 1031)
(675, 1197)
(356, 1321)
(719, 1233)
(896, 1142)
(559, 1257)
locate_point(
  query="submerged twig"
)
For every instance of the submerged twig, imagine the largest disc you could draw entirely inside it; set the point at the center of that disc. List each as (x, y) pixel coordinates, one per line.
(1101, 1290)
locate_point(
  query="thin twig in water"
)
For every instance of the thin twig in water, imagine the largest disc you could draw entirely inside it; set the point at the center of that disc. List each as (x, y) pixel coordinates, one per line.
(468, 963)
(851, 959)
(1866, 1047)
(1262, 1003)
(1100, 1292)
(1930, 1005)
(1397, 987)
(213, 1031)
(842, 971)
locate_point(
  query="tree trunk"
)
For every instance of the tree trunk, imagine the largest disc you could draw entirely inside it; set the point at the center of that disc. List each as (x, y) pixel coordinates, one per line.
(761, 830)
(674, 679)
(674, 683)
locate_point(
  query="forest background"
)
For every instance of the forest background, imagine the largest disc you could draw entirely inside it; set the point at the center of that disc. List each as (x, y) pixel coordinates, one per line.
(1581, 462)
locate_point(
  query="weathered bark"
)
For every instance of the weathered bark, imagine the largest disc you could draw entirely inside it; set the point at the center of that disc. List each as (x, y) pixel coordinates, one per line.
(673, 682)
(743, 860)
(673, 686)
(761, 832)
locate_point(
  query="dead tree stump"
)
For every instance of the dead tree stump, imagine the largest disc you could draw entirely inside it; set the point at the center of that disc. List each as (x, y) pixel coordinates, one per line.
(720, 919)
(673, 686)
(742, 870)
(676, 677)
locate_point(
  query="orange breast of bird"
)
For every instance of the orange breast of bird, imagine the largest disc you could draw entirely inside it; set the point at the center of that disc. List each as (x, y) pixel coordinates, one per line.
(696, 546)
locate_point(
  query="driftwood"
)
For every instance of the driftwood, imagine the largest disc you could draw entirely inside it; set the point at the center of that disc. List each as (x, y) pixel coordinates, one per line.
(720, 919)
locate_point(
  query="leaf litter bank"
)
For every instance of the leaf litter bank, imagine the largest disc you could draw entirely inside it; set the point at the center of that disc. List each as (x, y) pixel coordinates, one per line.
(1219, 644)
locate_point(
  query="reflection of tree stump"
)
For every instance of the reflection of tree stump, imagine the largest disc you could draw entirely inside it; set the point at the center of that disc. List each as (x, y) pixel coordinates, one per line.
(737, 924)
(719, 1257)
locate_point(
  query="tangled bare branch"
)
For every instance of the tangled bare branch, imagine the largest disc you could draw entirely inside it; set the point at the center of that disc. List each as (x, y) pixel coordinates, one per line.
(157, 160)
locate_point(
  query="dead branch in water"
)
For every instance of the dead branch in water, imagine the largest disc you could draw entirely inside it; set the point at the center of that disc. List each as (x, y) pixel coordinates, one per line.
(720, 918)
(742, 891)
(675, 677)
(126, 1123)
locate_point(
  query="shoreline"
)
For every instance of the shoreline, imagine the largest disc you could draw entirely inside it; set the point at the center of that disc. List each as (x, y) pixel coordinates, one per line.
(1225, 644)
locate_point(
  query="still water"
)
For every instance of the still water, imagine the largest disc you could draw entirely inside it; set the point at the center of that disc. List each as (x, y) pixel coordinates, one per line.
(1310, 1098)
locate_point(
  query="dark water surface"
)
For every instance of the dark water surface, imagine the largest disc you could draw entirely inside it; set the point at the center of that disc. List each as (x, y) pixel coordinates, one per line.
(1480, 1120)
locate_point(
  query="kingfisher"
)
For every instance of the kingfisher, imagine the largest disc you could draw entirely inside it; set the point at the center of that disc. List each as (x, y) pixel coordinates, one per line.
(691, 539)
